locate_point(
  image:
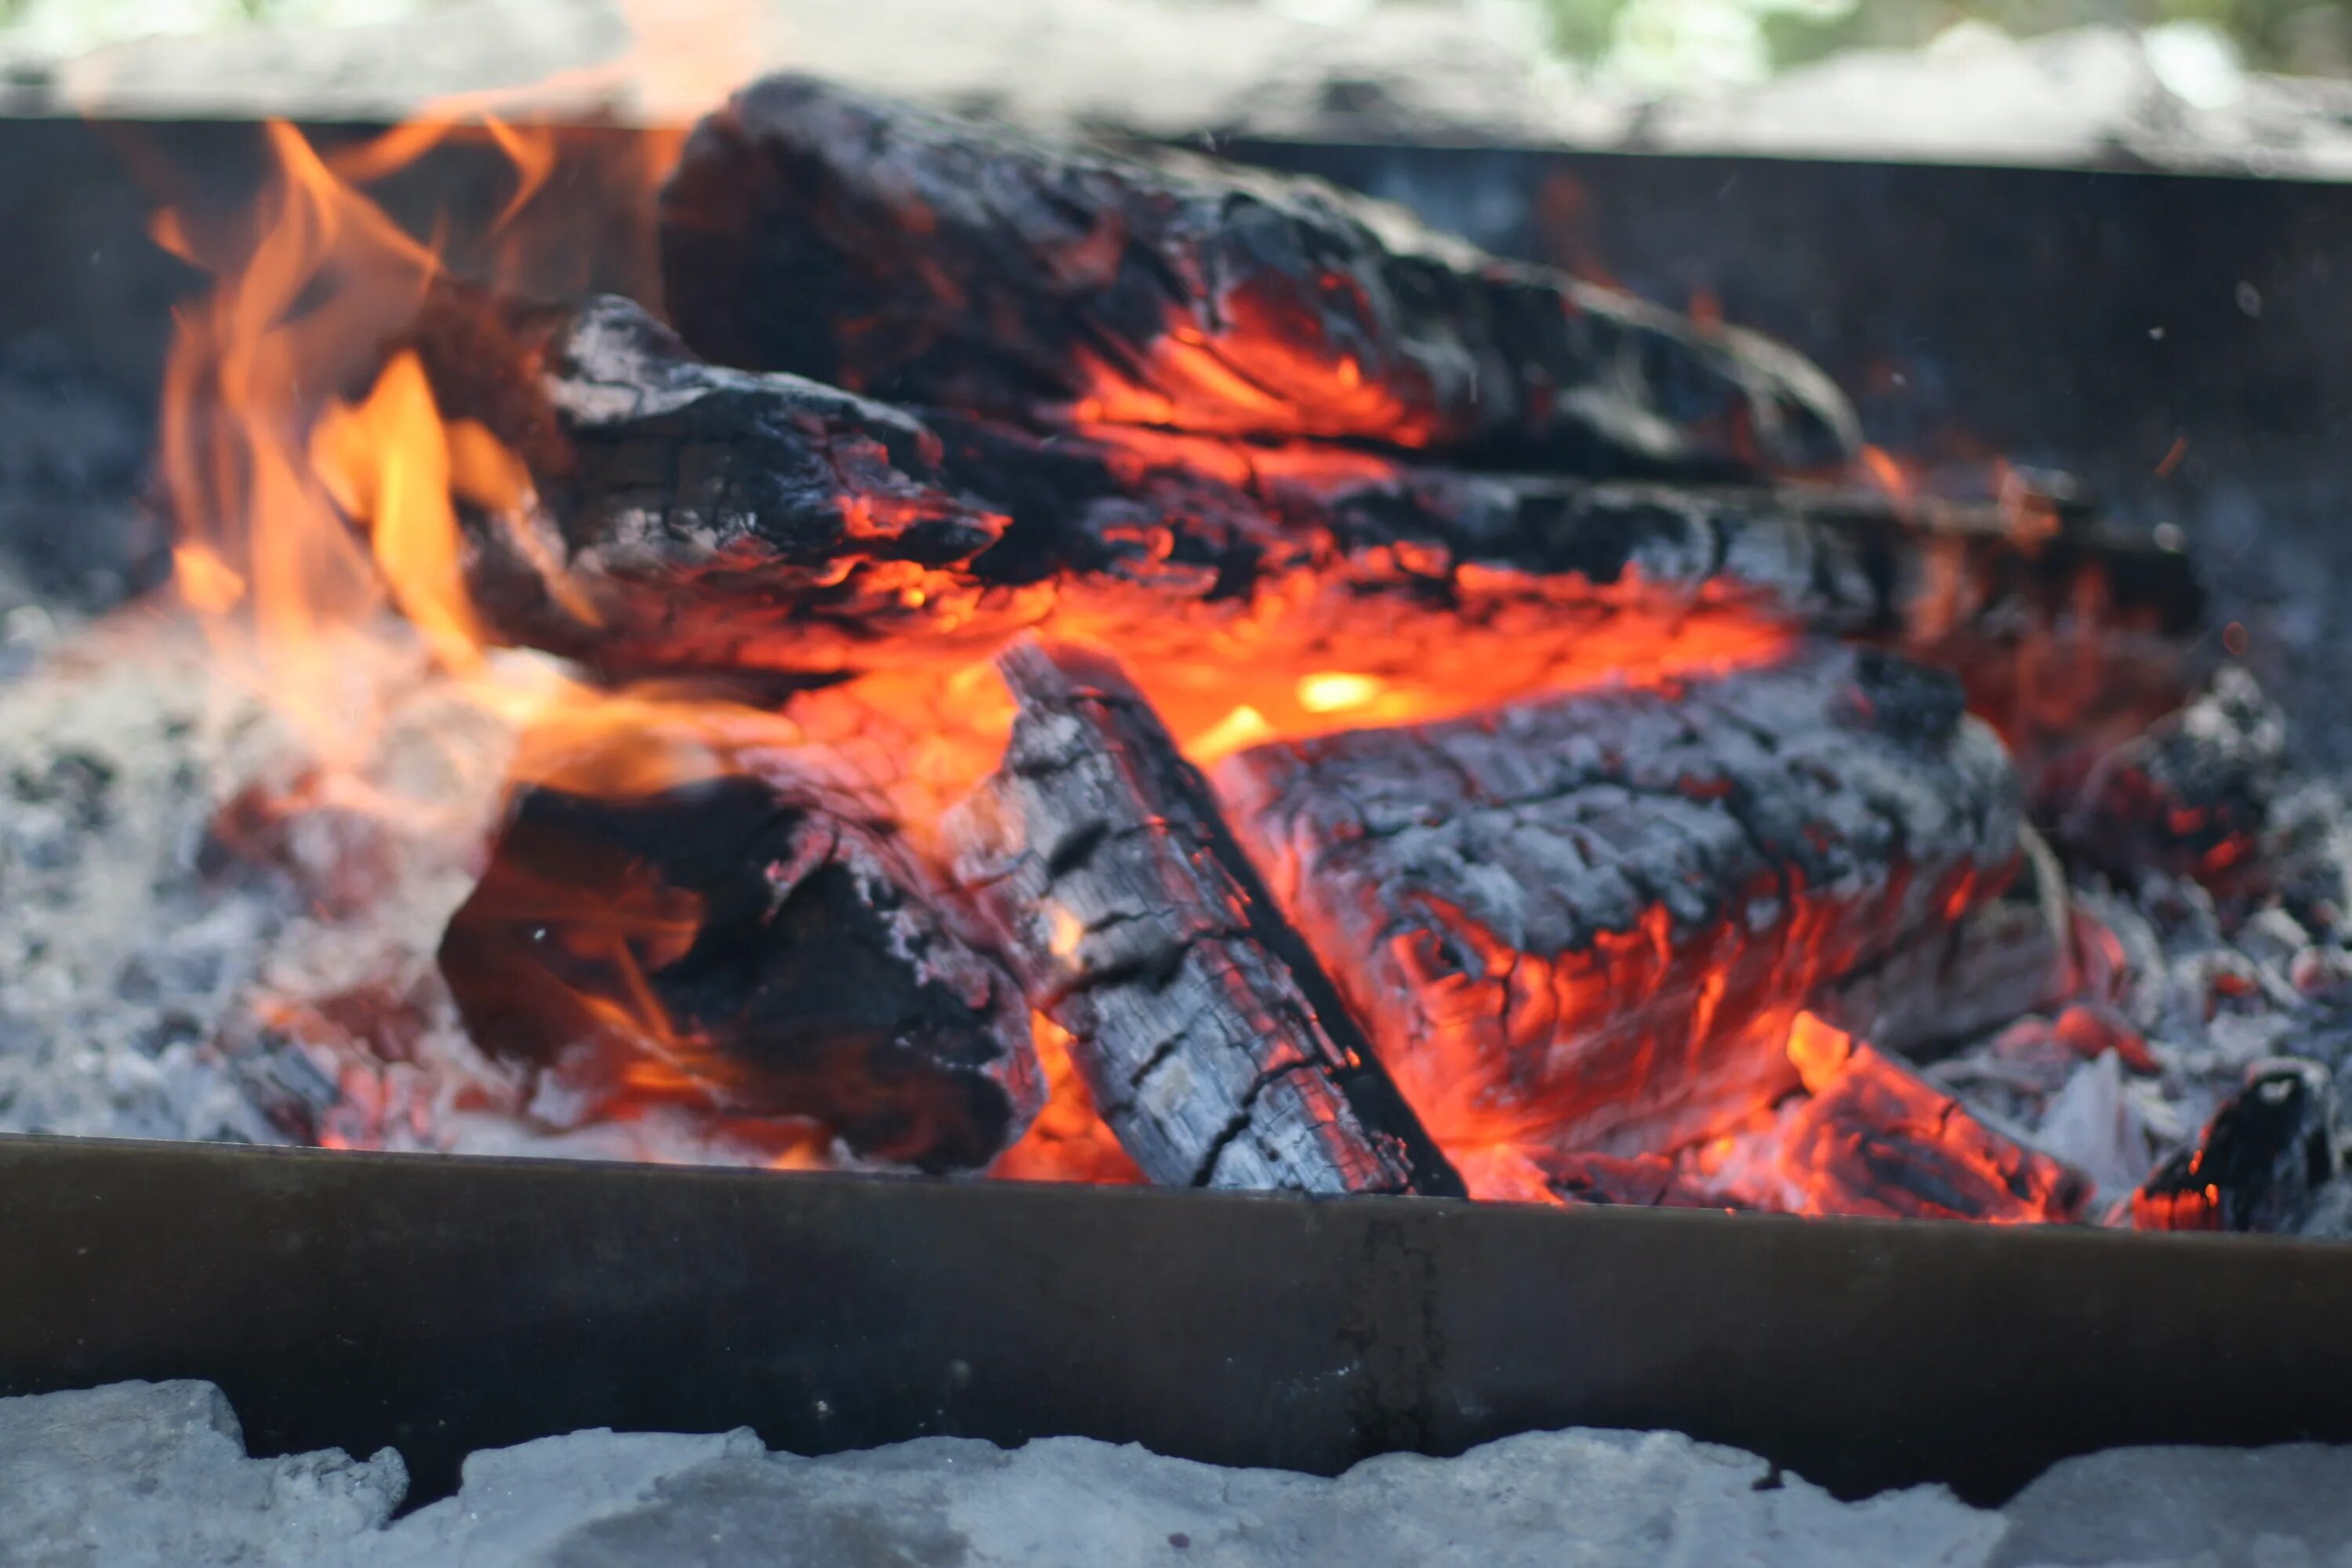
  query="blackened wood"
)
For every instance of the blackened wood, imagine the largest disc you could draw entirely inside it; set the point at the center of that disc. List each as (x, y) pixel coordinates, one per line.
(1585, 921)
(693, 516)
(928, 259)
(752, 949)
(2262, 1159)
(1212, 1043)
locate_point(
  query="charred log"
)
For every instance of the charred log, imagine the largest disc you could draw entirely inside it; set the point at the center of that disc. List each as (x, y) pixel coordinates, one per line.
(2262, 1161)
(1586, 921)
(926, 259)
(1873, 1139)
(750, 949)
(1212, 1042)
(693, 517)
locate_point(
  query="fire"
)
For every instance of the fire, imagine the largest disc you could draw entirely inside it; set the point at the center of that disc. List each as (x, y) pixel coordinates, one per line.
(324, 498)
(1069, 1141)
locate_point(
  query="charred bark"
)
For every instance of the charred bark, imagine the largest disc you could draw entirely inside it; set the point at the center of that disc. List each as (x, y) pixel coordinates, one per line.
(694, 517)
(1212, 1043)
(1585, 921)
(928, 260)
(2263, 1159)
(752, 951)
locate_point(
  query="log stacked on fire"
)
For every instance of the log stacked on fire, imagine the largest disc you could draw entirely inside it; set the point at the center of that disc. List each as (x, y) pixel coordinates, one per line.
(1554, 803)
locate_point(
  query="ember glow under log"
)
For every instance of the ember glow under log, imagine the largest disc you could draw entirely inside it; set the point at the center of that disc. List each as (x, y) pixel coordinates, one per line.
(1872, 1139)
(940, 261)
(751, 951)
(1586, 923)
(1211, 1041)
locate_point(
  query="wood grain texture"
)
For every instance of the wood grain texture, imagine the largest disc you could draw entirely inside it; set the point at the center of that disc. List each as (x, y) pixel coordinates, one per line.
(1585, 921)
(928, 260)
(1214, 1045)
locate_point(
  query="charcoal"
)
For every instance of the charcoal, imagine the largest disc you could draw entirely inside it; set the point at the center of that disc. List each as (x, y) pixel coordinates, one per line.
(928, 259)
(751, 949)
(2192, 797)
(1585, 921)
(1216, 1048)
(2267, 1154)
(694, 517)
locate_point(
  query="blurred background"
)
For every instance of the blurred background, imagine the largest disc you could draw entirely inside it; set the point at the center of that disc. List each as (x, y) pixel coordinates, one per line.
(2245, 86)
(1657, 45)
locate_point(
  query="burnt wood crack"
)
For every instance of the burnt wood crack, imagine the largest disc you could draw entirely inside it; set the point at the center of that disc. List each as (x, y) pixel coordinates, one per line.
(1216, 1048)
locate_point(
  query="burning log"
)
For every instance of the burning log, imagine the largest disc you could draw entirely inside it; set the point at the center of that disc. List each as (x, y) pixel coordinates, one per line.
(1874, 1139)
(750, 949)
(1585, 922)
(2263, 1159)
(693, 517)
(1214, 1046)
(931, 260)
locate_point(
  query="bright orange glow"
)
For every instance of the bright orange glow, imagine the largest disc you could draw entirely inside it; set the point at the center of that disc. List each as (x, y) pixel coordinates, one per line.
(204, 580)
(1334, 693)
(1242, 728)
(1886, 472)
(1069, 1141)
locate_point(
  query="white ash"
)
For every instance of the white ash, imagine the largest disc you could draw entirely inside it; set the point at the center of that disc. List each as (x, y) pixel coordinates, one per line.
(197, 942)
(155, 1474)
(2211, 990)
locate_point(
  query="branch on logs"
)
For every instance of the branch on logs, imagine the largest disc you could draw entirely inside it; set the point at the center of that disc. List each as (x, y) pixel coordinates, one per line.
(1214, 1046)
(694, 517)
(944, 262)
(1585, 921)
(2001, 959)
(749, 948)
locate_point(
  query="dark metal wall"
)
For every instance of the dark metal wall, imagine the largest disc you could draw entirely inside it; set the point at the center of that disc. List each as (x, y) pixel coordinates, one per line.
(447, 1304)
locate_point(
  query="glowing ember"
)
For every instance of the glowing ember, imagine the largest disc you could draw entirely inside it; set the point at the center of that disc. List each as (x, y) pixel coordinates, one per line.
(1870, 1138)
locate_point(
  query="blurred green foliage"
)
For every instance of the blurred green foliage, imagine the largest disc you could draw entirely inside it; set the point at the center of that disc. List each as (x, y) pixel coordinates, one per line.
(2286, 35)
